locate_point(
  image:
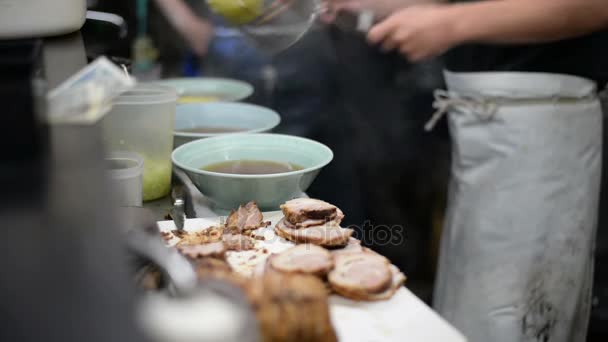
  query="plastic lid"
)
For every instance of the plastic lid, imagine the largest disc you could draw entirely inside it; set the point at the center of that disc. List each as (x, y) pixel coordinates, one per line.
(147, 93)
(124, 165)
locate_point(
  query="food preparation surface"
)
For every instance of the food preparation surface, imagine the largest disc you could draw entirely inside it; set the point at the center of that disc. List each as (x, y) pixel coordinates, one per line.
(403, 317)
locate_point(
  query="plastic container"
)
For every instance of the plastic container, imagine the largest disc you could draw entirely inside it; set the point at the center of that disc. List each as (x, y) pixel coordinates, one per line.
(125, 170)
(142, 121)
(40, 18)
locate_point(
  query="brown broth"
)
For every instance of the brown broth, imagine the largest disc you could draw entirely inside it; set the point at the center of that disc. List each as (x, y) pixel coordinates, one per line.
(251, 167)
(212, 130)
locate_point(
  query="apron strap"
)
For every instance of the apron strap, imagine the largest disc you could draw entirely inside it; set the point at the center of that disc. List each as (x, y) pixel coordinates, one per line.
(446, 100)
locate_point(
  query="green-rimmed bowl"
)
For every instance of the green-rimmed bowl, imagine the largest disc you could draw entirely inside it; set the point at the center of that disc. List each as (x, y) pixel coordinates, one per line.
(213, 89)
(240, 117)
(227, 191)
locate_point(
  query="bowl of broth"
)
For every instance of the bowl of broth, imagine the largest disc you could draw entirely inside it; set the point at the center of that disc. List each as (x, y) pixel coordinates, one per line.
(204, 120)
(267, 168)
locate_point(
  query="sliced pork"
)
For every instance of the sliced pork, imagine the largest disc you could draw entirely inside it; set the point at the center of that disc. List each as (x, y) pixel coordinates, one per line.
(309, 212)
(398, 279)
(246, 218)
(353, 246)
(214, 250)
(325, 235)
(291, 307)
(305, 258)
(359, 275)
(238, 242)
(211, 234)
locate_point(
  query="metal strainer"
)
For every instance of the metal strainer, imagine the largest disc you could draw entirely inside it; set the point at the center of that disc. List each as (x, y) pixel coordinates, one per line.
(275, 25)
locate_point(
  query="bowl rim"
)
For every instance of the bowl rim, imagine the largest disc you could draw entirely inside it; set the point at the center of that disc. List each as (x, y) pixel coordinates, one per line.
(245, 91)
(324, 163)
(276, 120)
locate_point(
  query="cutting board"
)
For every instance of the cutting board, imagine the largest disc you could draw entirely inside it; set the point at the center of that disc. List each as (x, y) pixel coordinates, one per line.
(402, 318)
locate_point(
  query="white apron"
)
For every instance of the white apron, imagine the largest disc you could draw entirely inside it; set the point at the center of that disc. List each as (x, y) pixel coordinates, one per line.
(516, 259)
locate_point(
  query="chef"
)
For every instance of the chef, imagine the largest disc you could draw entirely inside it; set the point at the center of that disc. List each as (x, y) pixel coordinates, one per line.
(516, 258)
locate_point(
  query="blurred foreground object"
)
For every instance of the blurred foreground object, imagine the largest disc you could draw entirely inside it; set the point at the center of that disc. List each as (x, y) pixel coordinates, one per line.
(29, 19)
(59, 259)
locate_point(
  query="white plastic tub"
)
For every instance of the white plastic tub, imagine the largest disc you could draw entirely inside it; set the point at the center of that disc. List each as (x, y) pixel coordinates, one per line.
(125, 170)
(40, 18)
(142, 121)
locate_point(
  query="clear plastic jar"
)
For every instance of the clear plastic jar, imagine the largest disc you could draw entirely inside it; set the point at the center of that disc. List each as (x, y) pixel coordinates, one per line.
(142, 121)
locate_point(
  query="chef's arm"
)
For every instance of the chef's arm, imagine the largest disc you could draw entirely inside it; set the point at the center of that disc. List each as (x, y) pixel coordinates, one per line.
(527, 21)
(195, 30)
(381, 8)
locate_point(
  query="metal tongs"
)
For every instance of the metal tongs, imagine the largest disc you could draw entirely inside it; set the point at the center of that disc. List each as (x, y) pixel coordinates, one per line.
(178, 212)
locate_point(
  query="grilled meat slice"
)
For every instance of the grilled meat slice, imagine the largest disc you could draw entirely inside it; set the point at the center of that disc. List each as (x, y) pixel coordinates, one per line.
(353, 246)
(238, 242)
(211, 234)
(246, 218)
(305, 258)
(308, 212)
(360, 275)
(291, 307)
(214, 250)
(397, 280)
(326, 235)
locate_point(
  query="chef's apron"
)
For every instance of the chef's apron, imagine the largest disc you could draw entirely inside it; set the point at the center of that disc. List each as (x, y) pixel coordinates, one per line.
(516, 259)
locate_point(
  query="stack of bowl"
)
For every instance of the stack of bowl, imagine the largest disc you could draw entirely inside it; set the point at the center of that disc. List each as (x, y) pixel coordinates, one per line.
(208, 134)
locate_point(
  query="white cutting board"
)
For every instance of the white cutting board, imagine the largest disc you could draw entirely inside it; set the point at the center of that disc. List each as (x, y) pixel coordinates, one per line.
(402, 318)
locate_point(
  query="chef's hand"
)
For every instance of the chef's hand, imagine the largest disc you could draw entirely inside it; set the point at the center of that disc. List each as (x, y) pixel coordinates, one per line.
(417, 32)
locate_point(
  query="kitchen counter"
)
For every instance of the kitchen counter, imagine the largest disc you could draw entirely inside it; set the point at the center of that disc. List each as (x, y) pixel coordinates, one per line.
(403, 317)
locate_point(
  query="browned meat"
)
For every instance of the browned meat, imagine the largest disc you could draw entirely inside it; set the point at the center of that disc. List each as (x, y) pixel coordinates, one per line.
(245, 218)
(166, 235)
(397, 281)
(291, 307)
(214, 249)
(212, 234)
(310, 210)
(332, 220)
(353, 246)
(326, 235)
(218, 270)
(238, 242)
(359, 275)
(305, 258)
(211, 265)
(258, 235)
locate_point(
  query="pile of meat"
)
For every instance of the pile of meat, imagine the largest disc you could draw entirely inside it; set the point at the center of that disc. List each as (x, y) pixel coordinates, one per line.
(352, 271)
(313, 221)
(235, 235)
(292, 287)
